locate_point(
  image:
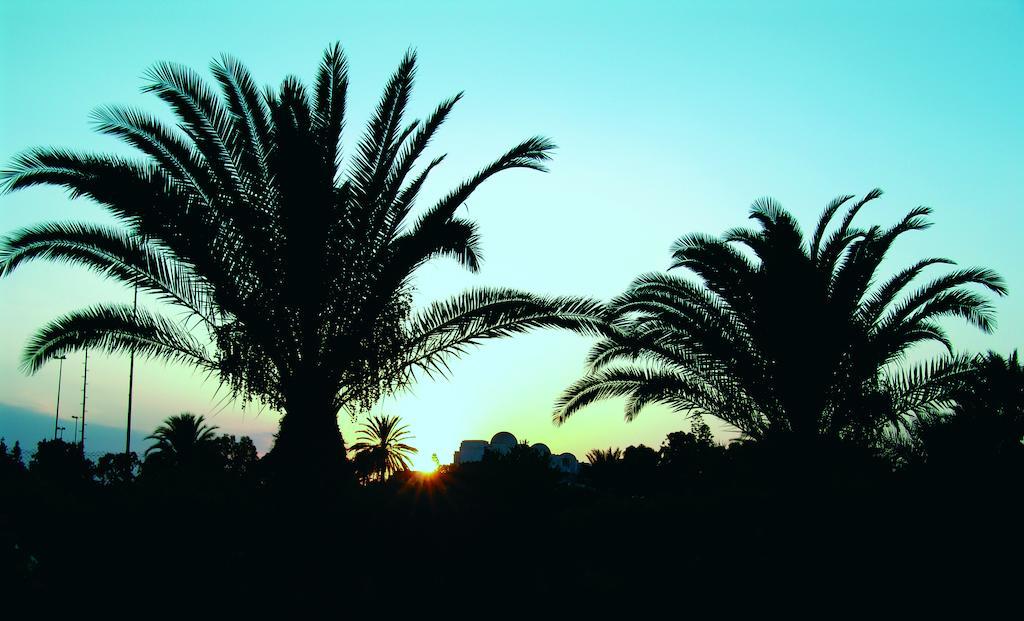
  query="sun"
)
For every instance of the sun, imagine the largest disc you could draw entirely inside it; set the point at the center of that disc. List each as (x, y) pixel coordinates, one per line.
(425, 464)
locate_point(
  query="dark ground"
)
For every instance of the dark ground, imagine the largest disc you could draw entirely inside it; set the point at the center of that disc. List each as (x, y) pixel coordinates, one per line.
(518, 539)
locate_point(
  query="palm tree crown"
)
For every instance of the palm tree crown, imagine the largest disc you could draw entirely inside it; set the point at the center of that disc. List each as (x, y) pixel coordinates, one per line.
(982, 422)
(603, 456)
(995, 389)
(182, 439)
(779, 334)
(295, 272)
(384, 438)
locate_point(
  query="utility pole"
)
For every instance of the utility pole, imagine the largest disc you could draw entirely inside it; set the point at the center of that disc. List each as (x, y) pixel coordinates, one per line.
(85, 383)
(60, 375)
(131, 382)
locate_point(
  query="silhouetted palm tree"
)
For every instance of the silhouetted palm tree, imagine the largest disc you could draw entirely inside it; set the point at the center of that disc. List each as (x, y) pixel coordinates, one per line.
(995, 387)
(295, 274)
(383, 438)
(780, 335)
(983, 422)
(603, 456)
(182, 440)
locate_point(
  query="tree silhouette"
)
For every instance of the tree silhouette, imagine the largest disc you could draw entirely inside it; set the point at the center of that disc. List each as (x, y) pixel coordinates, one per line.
(61, 462)
(295, 273)
(689, 457)
(117, 468)
(11, 463)
(183, 441)
(983, 425)
(781, 336)
(382, 446)
(238, 455)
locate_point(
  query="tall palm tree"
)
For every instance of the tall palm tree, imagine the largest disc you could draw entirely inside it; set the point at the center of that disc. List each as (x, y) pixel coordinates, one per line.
(383, 438)
(779, 334)
(182, 440)
(295, 273)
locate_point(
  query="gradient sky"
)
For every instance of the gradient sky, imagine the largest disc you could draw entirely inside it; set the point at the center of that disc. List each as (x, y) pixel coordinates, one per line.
(670, 118)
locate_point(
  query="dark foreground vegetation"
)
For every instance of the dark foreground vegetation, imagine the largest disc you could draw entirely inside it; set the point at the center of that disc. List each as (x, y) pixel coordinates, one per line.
(690, 521)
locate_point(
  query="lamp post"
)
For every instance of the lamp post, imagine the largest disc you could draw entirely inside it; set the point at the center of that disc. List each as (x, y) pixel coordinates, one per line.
(76, 426)
(131, 383)
(85, 384)
(61, 431)
(60, 376)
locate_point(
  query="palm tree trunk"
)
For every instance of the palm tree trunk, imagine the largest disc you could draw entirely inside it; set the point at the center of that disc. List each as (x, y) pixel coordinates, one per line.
(308, 449)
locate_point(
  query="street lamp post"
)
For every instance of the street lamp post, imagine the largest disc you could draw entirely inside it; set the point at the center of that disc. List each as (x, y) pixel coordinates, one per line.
(76, 426)
(85, 384)
(131, 383)
(60, 375)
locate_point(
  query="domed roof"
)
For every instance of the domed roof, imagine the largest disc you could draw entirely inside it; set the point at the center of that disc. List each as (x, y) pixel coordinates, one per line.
(504, 438)
(542, 448)
(568, 457)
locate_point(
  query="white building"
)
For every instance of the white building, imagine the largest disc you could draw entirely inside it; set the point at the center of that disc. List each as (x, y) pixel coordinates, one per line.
(502, 442)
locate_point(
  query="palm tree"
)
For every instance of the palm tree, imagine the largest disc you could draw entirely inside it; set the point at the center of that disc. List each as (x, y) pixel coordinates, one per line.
(295, 274)
(598, 457)
(383, 439)
(182, 440)
(983, 422)
(783, 336)
(995, 388)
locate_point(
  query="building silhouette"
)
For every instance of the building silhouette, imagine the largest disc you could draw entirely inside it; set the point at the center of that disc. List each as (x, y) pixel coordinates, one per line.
(502, 442)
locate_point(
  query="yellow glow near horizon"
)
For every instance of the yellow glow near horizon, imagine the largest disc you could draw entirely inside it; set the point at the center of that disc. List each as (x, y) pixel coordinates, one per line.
(424, 463)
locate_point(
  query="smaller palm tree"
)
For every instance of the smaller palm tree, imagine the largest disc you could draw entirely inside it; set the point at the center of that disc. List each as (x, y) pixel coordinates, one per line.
(983, 424)
(182, 440)
(382, 445)
(598, 457)
(995, 388)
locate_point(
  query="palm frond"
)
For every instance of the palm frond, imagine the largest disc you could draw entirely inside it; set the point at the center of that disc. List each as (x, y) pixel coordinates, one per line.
(640, 386)
(110, 252)
(203, 117)
(529, 154)
(823, 222)
(944, 293)
(172, 152)
(115, 329)
(379, 145)
(331, 91)
(450, 327)
(250, 125)
(885, 295)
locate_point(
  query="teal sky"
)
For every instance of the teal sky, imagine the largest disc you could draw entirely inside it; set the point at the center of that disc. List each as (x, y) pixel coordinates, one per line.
(670, 117)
